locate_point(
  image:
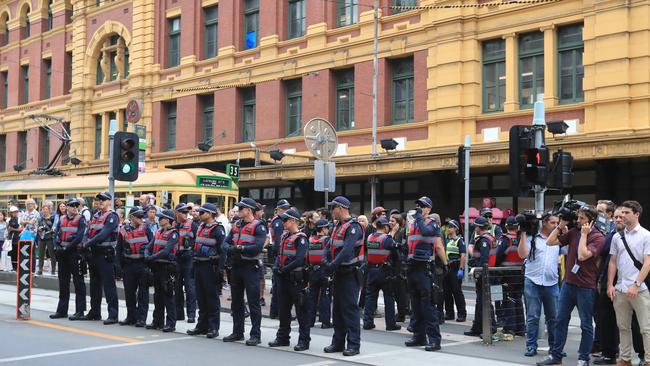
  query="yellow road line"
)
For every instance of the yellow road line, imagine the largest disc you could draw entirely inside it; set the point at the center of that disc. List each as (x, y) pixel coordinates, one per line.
(82, 331)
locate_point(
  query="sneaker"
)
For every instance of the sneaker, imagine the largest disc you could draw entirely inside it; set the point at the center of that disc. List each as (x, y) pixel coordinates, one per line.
(583, 363)
(530, 351)
(549, 361)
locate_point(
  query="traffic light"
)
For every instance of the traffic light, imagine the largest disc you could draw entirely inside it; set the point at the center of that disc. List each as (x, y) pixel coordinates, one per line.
(561, 176)
(521, 139)
(460, 169)
(536, 171)
(125, 156)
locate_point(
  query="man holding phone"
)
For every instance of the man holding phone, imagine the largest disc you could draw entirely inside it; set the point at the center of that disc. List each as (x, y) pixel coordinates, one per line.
(584, 243)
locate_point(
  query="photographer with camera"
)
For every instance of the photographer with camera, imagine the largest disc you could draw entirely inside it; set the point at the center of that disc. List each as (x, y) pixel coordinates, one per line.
(585, 243)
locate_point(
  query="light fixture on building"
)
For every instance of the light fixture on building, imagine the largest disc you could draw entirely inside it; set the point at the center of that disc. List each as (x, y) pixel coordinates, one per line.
(19, 167)
(557, 127)
(206, 145)
(389, 144)
(276, 155)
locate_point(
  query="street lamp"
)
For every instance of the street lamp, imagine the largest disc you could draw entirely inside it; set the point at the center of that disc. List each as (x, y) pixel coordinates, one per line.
(206, 145)
(389, 144)
(557, 127)
(276, 155)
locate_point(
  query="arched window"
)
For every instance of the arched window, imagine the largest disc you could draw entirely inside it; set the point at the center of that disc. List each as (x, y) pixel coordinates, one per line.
(113, 60)
(4, 29)
(24, 19)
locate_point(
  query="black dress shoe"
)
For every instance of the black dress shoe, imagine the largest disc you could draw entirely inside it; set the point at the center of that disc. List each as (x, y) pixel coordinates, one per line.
(90, 316)
(278, 343)
(350, 352)
(76, 316)
(154, 326)
(253, 341)
(197, 331)
(461, 319)
(58, 316)
(168, 329)
(432, 347)
(605, 361)
(110, 321)
(410, 329)
(127, 322)
(368, 326)
(191, 320)
(393, 327)
(414, 342)
(212, 334)
(326, 326)
(234, 338)
(472, 333)
(332, 349)
(301, 347)
(140, 324)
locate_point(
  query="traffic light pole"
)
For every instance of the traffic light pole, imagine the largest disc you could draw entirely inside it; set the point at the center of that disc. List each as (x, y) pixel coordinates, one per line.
(539, 124)
(466, 174)
(111, 179)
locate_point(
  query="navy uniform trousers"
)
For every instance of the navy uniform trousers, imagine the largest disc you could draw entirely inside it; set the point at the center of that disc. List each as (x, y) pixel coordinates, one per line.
(290, 293)
(185, 278)
(425, 316)
(207, 295)
(136, 289)
(102, 277)
(245, 277)
(319, 296)
(69, 267)
(164, 276)
(379, 278)
(345, 310)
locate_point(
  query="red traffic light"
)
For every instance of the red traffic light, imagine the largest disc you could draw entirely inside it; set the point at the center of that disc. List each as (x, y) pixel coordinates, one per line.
(127, 144)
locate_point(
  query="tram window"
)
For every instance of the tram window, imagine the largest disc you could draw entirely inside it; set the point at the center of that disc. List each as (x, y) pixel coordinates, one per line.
(284, 192)
(217, 200)
(254, 194)
(187, 198)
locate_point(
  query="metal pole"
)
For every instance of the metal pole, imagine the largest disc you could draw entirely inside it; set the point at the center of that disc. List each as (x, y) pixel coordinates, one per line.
(112, 127)
(486, 306)
(539, 123)
(467, 163)
(375, 75)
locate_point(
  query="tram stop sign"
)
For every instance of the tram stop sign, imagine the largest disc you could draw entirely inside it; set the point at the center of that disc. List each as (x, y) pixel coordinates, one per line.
(232, 170)
(324, 176)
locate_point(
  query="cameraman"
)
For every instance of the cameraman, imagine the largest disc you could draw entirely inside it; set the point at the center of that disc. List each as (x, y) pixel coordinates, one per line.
(584, 243)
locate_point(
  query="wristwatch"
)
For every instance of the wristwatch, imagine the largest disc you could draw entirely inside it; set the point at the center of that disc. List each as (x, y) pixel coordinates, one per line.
(637, 283)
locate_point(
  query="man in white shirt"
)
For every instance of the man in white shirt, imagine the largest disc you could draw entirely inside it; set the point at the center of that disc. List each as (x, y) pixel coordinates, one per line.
(630, 292)
(223, 220)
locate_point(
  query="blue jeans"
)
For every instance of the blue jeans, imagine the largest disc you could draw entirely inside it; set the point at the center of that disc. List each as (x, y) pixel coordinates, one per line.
(570, 297)
(535, 296)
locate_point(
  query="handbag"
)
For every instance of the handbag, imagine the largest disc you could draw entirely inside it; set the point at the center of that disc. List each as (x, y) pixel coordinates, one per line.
(637, 264)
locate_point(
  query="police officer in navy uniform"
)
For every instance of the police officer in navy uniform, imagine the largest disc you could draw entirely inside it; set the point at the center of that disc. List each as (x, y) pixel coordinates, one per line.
(132, 241)
(382, 267)
(513, 281)
(318, 281)
(69, 234)
(292, 282)
(424, 243)
(208, 264)
(101, 240)
(346, 253)
(277, 229)
(160, 255)
(184, 265)
(244, 245)
(482, 252)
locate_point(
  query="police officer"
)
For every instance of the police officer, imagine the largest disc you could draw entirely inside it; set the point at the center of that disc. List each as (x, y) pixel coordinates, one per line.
(456, 254)
(318, 281)
(513, 281)
(483, 252)
(69, 234)
(277, 229)
(184, 267)
(292, 282)
(495, 230)
(208, 263)
(244, 245)
(101, 239)
(424, 241)
(346, 253)
(160, 255)
(131, 244)
(382, 266)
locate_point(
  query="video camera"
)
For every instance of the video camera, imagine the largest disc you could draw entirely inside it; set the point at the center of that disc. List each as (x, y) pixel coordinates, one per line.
(567, 210)
(528, 221)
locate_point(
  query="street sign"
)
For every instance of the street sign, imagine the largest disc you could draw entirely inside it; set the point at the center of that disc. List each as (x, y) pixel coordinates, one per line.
(324, 176)
(133, 111)
(24, 279)
(141, 131)
(232, 170)
(320, 138)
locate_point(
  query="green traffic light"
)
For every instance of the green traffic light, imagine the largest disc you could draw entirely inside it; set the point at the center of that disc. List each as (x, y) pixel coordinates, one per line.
(126, 168)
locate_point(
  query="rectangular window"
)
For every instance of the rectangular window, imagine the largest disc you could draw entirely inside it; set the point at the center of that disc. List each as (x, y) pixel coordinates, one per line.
(570, 68)
(3, 153)
(25, 75)
(98, 136)
(297, 15)
(494, 75)
(251, 23)
(403, 3)
(5, 89)
(347, 12)
(248, 115)
(207, 128)
(170, 109)
(68, 72)
(47, 78)
(345, 100)
(45, 148)
(402, 90)
(294, 106)
(211, 15)
(174, 44)
(531, 68)
(22, 148)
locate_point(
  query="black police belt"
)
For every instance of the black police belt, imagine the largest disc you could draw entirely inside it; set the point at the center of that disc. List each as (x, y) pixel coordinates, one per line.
(419, 265)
